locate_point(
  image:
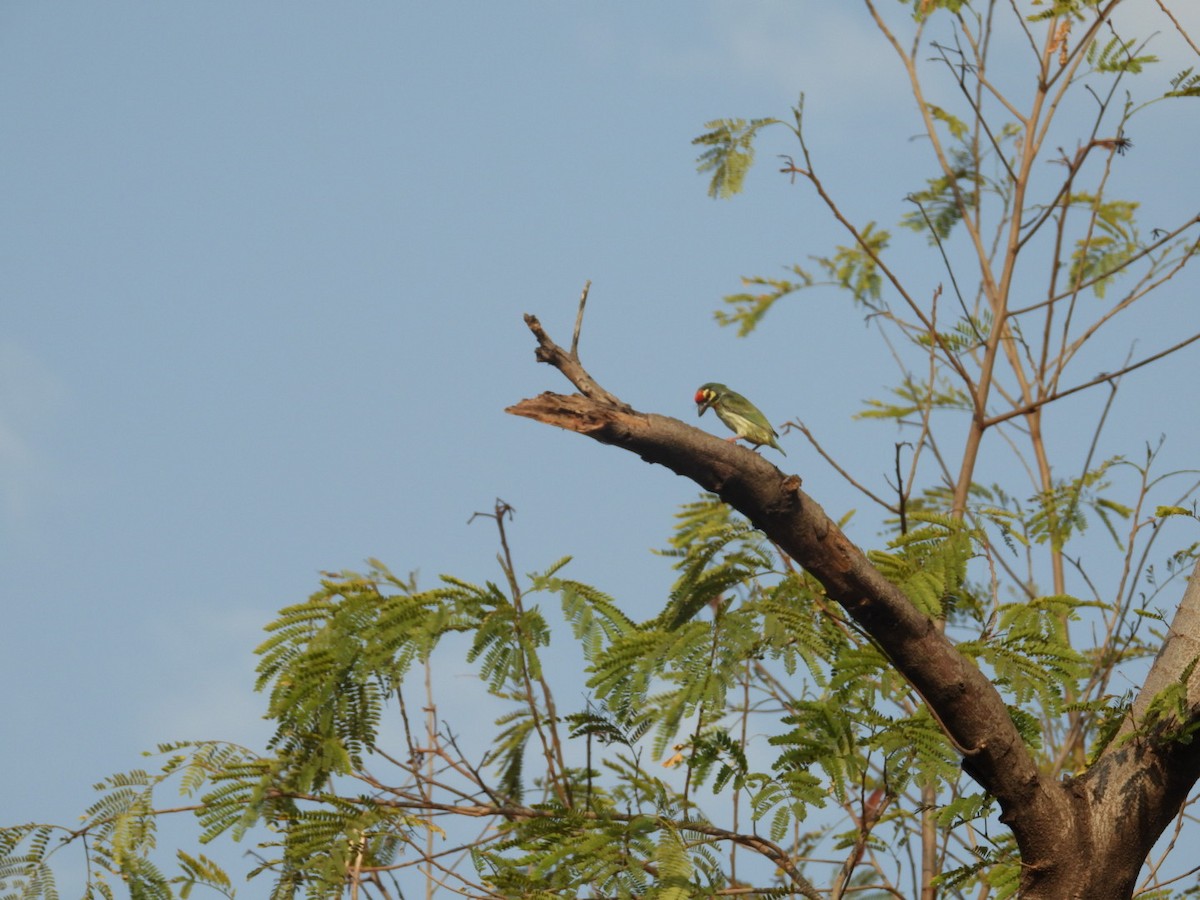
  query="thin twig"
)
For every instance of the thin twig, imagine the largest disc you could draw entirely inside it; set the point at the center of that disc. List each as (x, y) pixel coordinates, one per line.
(937, 239)
(803, 429)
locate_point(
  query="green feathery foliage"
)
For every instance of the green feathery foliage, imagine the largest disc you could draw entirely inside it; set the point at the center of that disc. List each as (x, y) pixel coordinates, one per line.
(1185, 84)
(856, 268)
(729, 153)
(1103, 252)
(667, 697)
(1060, 513)
(1056, 9)
(947, 198)
(1118, 56)
(749, 308)
(929, 563)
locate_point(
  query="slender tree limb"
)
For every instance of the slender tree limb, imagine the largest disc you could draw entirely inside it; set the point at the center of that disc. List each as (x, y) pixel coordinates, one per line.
(546, 727)
(1099, 379)
(1187, 37)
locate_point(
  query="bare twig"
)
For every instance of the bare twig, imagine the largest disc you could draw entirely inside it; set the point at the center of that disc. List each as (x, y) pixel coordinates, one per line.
(804, 430)
(1099, 379)
(568, 363)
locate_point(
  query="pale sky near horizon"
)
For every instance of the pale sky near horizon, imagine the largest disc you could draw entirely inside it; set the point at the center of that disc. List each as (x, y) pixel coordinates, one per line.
(263, 271)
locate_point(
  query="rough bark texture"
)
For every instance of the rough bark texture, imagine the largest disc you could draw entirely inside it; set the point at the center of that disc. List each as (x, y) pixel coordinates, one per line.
(1085, 837)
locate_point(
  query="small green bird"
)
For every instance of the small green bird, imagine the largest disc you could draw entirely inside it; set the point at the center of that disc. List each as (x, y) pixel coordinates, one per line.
(739, 414)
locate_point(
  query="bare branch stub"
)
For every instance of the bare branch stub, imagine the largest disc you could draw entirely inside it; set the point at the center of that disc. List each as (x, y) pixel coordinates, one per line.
(587, 286)
(549, 352)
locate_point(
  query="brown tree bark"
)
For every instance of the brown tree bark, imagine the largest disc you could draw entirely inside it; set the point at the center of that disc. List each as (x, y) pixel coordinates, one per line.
(1083, 837)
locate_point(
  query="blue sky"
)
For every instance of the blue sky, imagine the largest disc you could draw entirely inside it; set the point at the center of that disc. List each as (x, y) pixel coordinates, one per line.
(263, 270)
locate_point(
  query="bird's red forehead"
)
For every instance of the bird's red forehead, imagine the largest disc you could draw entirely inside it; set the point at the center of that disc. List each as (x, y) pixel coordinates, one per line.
(701, 395)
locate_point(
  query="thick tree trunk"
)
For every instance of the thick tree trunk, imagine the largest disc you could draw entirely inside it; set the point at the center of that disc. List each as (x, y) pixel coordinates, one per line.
(1084, 837)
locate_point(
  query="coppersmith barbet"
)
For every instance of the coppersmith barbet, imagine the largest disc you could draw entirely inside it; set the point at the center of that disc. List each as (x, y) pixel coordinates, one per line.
(741, 416)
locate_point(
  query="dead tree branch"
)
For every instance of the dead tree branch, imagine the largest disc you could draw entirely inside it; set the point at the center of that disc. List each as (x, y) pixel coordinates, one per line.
(1139, 784)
